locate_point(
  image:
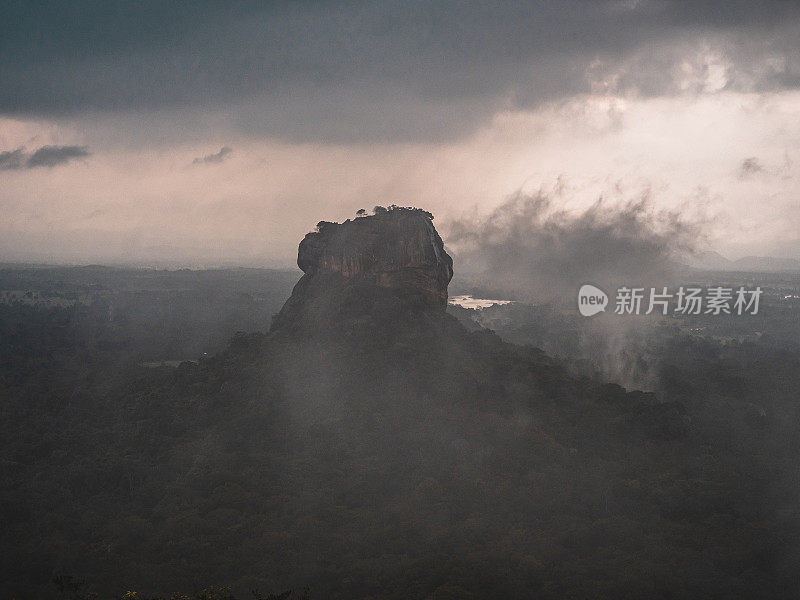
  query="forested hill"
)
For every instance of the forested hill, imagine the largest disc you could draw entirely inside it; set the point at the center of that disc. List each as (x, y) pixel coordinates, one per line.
(408, 458)
(392, 455)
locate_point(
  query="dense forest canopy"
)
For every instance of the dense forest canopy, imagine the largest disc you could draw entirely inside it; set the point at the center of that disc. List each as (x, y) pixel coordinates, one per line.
(399, 456)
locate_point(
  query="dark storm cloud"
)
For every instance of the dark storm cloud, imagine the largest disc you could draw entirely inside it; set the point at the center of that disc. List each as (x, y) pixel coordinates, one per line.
(50, 156)
(214, 158)
(532, 252)
(367, 70)
(46, 156)
(12, 159)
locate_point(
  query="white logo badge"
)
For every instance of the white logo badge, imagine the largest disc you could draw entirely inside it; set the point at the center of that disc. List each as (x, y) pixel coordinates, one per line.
(591, 300)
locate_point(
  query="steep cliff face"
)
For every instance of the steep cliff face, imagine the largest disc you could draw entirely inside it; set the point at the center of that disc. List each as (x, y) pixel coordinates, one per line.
(392, 260)
(394, 249)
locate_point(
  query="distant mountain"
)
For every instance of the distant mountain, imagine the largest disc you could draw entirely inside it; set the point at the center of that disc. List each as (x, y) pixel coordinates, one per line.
(767, 263)
(714, 261)
(709, 260)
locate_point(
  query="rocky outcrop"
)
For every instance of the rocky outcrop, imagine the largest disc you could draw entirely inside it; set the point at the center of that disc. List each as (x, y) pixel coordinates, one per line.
(392, 260)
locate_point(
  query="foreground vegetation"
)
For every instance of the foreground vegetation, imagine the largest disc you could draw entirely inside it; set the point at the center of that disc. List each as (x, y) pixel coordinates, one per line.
(397, 457)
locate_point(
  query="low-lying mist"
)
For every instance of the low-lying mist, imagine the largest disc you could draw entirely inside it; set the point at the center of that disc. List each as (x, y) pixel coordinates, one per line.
(530, 250)
(538, 254)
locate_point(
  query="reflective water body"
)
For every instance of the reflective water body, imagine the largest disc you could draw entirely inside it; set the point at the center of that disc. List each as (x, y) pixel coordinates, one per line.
(467, 301)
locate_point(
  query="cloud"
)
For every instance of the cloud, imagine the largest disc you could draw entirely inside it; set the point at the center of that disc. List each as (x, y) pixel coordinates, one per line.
(51, 156)
(46, 156)
(532, 251)
(215, 158)
(382, 71)
(750, 167)
(13, 159)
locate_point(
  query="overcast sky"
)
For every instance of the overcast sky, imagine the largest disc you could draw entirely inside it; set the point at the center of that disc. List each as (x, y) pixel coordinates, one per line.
(219, 133)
